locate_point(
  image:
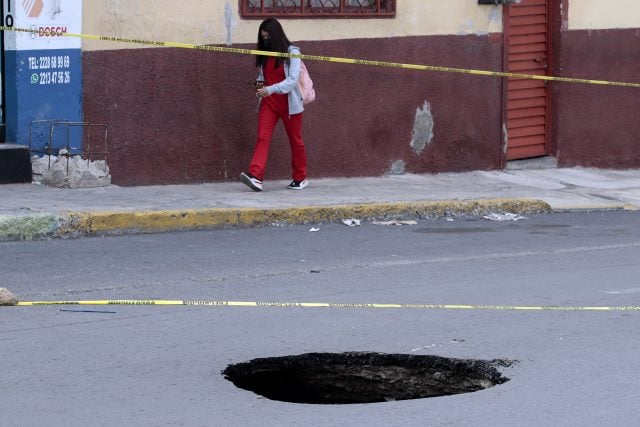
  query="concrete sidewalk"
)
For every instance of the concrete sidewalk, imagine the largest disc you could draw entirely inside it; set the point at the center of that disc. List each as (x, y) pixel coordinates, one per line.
(32, 211)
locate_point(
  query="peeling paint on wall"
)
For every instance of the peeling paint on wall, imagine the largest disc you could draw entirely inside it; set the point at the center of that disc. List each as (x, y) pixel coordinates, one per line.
(422, 128)
(493, 21)
(505, 138)
(495, 18)
(398, 167)
(229, 22)
(55, 9)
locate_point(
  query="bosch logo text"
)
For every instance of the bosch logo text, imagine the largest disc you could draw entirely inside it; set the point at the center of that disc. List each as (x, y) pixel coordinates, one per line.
(52, 31)
(48, 31)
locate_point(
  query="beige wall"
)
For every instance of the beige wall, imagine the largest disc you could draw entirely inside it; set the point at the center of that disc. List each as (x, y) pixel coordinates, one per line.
(218, 22)
(598, 14)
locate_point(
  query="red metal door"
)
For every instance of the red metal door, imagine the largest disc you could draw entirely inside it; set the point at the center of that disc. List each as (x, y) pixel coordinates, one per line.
(527, 29)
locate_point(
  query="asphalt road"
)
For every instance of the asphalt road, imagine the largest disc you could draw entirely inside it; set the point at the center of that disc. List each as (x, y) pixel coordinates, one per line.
(161, 365)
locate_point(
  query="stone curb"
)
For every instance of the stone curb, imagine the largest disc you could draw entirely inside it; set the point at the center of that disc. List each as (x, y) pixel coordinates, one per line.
(29, 227)
(76, 224)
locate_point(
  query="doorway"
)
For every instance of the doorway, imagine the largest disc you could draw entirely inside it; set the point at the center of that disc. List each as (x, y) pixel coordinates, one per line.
(527, 41)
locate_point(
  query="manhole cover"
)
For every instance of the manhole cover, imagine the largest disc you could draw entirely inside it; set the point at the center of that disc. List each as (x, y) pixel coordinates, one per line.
(359, 377)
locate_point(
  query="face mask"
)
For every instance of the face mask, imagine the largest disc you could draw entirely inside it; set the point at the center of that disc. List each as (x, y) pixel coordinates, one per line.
(266, 43)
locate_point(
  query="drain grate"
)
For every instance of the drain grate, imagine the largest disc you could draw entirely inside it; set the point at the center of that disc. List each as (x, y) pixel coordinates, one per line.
(362, 377)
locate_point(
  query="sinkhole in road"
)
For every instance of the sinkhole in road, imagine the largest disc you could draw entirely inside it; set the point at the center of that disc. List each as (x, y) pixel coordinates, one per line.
(362, 377)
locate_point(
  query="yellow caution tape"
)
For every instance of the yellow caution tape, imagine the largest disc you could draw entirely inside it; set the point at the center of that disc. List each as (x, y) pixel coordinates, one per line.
(333, 59)
(284, 304)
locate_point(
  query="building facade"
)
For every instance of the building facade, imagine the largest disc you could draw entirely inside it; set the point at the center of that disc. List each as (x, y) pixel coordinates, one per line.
(178, 115)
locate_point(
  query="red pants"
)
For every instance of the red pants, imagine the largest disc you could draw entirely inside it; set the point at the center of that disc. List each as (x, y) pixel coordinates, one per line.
(267, 120)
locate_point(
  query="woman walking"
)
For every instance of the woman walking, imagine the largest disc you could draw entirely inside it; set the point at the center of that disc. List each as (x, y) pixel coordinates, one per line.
(279, 99)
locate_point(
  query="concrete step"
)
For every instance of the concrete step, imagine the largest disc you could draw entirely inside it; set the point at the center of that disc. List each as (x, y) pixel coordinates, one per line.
(546, 162)
(15, 164)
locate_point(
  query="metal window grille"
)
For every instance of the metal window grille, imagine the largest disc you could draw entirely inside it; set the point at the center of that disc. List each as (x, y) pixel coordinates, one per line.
(318, 8)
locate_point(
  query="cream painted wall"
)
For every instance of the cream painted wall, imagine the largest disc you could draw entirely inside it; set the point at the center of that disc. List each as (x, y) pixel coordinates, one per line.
(218, 22)
(598, 14)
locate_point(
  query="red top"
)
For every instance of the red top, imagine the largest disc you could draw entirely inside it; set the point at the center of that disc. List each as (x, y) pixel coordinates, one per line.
(277, 101)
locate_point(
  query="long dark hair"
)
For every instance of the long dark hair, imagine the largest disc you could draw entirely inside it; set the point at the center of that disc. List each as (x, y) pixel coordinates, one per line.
(279, 41)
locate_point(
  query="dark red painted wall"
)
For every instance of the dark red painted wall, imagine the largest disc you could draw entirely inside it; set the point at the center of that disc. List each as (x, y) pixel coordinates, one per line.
(183, 116)
(597, 126)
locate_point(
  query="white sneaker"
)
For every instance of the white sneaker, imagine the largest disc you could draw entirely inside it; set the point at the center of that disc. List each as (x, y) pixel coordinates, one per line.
(298, 185)
(254, 183)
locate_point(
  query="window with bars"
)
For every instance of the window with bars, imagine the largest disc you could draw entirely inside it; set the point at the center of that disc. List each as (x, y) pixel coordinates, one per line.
(318, 8)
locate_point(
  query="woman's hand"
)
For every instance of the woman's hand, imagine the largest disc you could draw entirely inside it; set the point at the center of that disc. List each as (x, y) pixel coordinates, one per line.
(262, 93)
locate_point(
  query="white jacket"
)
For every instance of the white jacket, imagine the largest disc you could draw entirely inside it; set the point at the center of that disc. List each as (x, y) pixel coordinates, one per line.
(289, 85)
